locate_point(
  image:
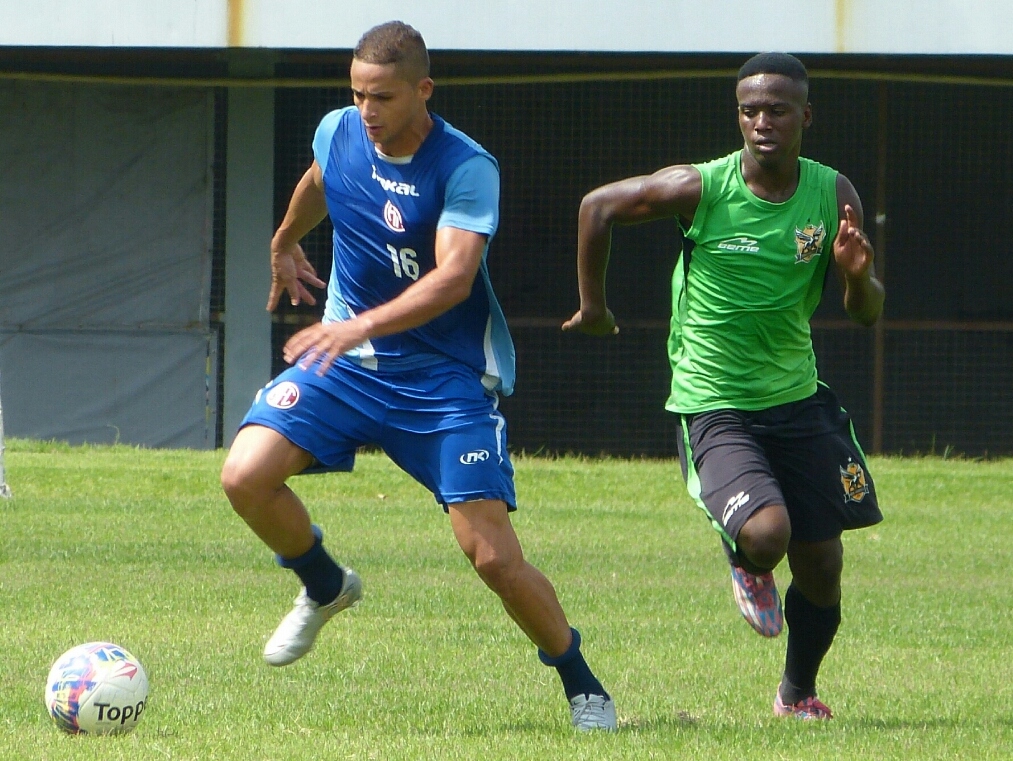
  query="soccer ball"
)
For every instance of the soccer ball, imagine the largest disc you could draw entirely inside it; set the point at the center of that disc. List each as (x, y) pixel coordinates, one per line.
(97, 688)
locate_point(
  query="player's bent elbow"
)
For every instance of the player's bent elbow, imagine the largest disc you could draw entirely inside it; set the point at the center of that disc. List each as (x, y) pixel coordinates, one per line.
(592, 210)
(865, 316)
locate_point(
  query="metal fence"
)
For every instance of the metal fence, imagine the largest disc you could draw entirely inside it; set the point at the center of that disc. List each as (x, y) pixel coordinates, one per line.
(929, 155)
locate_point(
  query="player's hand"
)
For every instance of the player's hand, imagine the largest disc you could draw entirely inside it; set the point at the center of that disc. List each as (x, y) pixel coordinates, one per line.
(321, 344)
(852, 249)
(289, 270)
(594, 323)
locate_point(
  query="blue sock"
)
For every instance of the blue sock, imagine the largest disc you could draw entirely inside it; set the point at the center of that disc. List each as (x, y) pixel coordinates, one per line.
(318, 572)
(573, 671)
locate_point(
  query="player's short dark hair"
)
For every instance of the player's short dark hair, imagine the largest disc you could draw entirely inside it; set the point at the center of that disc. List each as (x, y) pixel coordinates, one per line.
(775, 63)
(397, 43)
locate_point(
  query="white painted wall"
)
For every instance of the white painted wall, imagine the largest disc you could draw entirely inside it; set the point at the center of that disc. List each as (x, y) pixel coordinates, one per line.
(816, 26)
(114, 23)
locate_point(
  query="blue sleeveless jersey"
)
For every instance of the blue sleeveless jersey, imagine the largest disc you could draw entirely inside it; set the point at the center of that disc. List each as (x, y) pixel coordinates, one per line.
(385, 216)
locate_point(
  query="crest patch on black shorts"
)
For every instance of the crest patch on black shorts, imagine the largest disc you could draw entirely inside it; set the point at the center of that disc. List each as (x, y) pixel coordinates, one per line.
(856, 487)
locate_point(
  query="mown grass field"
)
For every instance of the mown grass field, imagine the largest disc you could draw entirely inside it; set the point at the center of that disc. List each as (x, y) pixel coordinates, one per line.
(141, 548)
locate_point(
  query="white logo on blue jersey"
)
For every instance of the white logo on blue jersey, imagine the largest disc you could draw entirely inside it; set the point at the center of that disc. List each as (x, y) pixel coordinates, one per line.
(401, 188)
(470, 458)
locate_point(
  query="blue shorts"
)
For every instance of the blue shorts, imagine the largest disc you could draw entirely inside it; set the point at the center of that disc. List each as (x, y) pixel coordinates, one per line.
(439, 424)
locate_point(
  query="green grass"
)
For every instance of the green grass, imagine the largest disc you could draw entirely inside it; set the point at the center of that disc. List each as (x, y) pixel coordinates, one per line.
(140, 547)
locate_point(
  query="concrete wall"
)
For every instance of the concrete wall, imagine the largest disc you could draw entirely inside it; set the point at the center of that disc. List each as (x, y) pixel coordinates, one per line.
(815, 26)
(249, 213)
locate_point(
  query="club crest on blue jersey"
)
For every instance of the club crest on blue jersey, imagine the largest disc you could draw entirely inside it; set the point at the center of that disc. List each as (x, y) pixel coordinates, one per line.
(283, 396)
(856, 487)
(392, 216)
(809, 242)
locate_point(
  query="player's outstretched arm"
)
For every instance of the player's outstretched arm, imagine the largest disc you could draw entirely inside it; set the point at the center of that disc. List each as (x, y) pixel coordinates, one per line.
(458, 257)
(669, 192)
(854, 256)
(289, 266)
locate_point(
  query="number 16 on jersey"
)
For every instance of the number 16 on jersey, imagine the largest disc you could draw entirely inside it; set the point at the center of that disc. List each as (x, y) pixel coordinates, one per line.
(405, 264)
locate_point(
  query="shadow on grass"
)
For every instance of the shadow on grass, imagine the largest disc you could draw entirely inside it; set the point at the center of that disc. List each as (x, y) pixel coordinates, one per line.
(680, 720)
(940, 723)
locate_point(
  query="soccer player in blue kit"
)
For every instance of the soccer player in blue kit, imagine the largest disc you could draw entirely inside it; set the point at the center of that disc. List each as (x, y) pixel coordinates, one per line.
(410, 355)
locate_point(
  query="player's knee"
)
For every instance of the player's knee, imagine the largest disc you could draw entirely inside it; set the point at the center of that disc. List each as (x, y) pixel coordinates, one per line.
(230, 478)
(825, 568)
(237, 483)
(817, 569)
(833, 566)
(496, 569)
(764, 539)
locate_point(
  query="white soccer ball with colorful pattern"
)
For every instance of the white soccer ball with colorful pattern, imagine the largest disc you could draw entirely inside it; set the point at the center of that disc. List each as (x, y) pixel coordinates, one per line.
(97, 688)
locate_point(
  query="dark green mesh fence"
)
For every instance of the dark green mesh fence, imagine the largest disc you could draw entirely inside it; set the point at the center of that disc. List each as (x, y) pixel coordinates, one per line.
(947, 364)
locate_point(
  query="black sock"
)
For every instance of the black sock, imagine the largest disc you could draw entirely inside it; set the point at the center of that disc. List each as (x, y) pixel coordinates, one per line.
(811, 631)
(573, 671)
(318, 572)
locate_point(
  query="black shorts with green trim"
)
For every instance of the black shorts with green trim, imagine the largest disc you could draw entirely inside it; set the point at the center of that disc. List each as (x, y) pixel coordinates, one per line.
(803, 455)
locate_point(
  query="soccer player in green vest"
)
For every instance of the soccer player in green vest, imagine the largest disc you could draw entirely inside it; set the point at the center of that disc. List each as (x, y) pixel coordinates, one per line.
(766, 450)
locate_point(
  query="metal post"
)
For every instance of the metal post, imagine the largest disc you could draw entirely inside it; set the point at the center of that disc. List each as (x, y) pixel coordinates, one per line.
(249, 214)
(879, 331)
(5, 490)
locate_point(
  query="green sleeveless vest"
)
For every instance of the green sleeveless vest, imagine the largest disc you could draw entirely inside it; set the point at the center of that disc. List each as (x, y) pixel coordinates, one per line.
(749, 278)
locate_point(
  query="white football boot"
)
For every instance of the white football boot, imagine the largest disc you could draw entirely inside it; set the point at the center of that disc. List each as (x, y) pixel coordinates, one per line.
(593, 712)
(297, 631)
